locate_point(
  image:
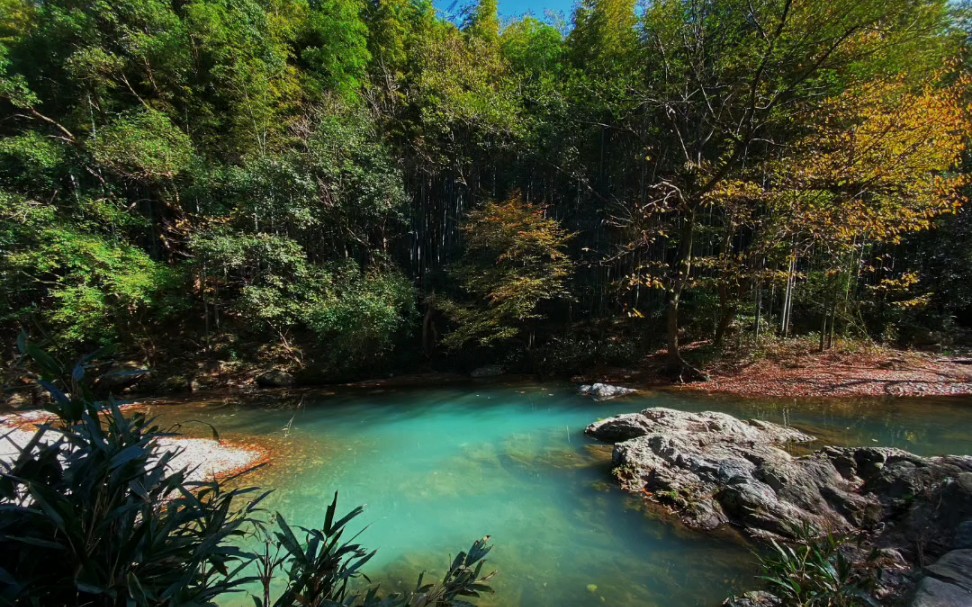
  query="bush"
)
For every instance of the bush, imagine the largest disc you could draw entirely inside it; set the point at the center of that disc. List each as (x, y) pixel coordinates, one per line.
(814, 572)
(93, 513)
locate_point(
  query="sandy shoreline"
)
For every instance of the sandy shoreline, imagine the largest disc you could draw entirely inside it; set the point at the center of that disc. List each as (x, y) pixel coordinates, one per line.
(205, 459)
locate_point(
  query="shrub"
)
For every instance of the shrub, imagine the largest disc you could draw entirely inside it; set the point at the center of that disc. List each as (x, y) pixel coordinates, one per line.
(814, 572)
(93, 513)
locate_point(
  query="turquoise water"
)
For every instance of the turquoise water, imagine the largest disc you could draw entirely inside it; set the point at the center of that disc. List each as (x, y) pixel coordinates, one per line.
(438, 468)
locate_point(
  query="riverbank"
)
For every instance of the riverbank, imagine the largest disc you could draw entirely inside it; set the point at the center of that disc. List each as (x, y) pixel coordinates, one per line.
(857, 372)
(793, 368)
(797, 369)
(205, 459)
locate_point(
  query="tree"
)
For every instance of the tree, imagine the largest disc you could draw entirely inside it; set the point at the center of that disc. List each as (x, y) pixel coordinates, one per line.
(878, 164)
(734, 81)
(484, 22)
(334, 45)
(604, 33)
(515, 260)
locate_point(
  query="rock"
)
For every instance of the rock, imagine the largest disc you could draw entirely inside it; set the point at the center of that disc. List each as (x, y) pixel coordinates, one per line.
(275, 378)
(754, 598)
(935, 593)
(713, 469)
(963, 536)
(722, 469)
(604, 391)
(487, 371)
(620, 428)
(120, 377)
(954, 567)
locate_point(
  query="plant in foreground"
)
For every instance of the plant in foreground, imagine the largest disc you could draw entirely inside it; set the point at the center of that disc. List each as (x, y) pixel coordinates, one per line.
(93, 512)
(815, 572)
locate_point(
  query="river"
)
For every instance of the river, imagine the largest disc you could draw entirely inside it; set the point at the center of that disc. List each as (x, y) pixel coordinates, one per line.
(441, 466)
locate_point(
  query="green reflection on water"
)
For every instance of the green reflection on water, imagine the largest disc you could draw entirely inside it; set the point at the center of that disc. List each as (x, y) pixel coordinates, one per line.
(438, 468)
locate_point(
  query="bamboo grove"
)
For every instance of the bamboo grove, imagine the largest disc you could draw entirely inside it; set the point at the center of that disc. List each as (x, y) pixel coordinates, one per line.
(327, 184)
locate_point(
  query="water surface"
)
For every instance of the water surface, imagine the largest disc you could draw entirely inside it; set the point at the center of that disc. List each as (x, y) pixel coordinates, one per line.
(440, 467)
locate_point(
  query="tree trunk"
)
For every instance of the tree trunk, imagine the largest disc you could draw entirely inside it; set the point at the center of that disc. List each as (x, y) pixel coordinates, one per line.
(428, 327)
(727, 306)
(725, 320)
(681, 270)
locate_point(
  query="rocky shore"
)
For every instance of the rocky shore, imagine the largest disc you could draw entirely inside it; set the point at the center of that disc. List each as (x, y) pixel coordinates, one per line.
(712, 470)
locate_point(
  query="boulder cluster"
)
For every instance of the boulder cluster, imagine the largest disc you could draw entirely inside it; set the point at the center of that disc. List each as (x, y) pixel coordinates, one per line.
(713, 470)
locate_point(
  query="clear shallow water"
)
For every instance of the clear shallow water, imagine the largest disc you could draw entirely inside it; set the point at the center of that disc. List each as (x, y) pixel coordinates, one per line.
(440, 467)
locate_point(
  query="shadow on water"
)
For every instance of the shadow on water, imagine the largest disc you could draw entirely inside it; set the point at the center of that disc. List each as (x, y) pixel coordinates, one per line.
(440, 467)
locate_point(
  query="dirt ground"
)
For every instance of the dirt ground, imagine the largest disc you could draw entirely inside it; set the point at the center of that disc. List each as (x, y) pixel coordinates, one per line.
(864, 372)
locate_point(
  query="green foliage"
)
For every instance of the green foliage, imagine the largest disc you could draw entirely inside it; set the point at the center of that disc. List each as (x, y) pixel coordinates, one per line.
(144, 146)
(268, 279)
(95, 513)
(89, 289)
(465, 96)
(604, 32)
(697, 149)
(334, 45)
(320, 570)
(815, 573)
(360, 316)
(31, 164)
(484, 22)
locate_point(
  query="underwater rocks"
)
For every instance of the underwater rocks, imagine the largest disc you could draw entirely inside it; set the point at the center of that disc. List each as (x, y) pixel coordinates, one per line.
(604, 391)
(714, 470)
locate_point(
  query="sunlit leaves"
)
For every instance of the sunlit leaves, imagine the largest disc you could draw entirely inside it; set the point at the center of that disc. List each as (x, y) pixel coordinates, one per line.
(515, 260)
(880, 162)
(145, 145)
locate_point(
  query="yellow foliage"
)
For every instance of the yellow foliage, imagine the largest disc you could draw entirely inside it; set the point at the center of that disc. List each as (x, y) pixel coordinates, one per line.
(878, 164)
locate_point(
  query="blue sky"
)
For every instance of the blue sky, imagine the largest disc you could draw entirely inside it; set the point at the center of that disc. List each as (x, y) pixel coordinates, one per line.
(511, 8)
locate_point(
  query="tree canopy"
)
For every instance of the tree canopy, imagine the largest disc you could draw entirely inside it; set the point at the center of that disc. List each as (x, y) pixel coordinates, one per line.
(315, 183)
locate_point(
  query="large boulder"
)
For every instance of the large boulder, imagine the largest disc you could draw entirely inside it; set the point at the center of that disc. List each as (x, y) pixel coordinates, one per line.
(947, 583)
(120, 377)
(712, 469)
(275, 378)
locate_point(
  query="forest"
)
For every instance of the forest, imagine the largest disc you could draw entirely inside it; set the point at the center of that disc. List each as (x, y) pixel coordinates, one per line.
(341, 188)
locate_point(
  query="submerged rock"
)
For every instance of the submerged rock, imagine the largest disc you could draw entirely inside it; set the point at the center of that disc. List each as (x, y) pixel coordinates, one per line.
(604, 391)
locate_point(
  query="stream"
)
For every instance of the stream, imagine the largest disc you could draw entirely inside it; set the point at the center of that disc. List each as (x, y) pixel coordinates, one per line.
(439, 467)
